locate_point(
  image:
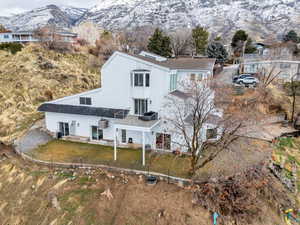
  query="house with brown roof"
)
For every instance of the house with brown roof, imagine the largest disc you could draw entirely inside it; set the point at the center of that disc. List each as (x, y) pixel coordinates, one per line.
(129, 108)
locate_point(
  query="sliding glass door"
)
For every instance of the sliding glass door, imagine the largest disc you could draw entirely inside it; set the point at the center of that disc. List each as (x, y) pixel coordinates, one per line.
(163, 141)
(64, 129)
(97, 134)
(140, 106)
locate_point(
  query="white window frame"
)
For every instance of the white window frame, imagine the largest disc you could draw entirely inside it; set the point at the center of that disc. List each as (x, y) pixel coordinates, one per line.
(141, 79)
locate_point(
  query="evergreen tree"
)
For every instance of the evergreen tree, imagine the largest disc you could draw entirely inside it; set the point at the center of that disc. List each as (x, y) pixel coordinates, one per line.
(217, 50)
(160, 44)
(249, 47)
(291, 36)
(200, 39)
(238, 42)
(239, 36)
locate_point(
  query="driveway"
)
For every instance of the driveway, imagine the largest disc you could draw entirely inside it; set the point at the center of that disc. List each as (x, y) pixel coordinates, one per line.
(32, 139)
(228, 72)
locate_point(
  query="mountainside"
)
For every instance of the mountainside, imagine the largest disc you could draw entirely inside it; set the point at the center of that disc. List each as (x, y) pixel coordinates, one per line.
(221, 16)
(260, 17)
(36, 75)
(62, 16)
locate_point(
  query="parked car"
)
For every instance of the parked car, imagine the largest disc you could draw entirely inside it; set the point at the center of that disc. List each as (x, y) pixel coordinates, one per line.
(241, 76)
(248, 81)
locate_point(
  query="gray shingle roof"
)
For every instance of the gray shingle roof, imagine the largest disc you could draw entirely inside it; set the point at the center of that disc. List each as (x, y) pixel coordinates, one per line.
(179, 94)
(181, 63)
(84, 110)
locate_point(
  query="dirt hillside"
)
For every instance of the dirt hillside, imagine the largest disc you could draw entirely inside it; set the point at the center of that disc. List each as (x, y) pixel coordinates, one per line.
(32, 195)
(33, 76)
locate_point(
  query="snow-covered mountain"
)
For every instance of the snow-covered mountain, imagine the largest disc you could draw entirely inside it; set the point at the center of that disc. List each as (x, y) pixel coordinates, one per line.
(259, 17)
(62, 16)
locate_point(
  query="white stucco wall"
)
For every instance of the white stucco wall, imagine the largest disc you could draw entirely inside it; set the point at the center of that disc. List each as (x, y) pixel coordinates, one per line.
(84, 127)
(117, 92)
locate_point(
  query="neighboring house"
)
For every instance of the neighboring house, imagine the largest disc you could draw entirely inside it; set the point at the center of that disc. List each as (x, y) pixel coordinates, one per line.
(129, 108)
(277, 57)
(29, 36)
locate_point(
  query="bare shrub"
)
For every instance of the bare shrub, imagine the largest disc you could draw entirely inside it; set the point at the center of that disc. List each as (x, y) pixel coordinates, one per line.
(240, 197)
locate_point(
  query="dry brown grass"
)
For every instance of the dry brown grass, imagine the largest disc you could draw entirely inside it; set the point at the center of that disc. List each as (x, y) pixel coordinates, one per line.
(33, 76)
(25, 189)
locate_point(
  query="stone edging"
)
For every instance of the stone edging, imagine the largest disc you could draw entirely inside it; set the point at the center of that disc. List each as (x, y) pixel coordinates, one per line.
(171, 179)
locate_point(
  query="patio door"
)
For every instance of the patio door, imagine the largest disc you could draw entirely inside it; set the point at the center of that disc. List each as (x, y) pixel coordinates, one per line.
(64, 128)
(97, 134)
(163, 141)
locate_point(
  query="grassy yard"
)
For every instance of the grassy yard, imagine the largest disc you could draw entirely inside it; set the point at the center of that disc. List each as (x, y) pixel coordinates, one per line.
(73, 152)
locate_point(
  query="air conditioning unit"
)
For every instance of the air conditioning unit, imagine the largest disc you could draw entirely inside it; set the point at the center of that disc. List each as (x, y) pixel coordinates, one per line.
(103, 124)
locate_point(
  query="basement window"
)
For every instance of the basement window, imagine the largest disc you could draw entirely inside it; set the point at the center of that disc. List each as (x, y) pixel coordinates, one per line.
(85, 101)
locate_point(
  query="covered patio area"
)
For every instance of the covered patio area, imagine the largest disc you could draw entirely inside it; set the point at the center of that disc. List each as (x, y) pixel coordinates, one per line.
(134, 131)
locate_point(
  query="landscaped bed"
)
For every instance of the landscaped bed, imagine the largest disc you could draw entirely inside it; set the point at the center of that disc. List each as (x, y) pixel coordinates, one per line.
(73, 152)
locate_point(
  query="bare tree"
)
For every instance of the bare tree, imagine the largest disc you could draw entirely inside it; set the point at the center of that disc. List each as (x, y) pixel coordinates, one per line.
(268, 75)
(105, 45)
(135, 39)
(197, 125)
(50, 38)
(181, 40)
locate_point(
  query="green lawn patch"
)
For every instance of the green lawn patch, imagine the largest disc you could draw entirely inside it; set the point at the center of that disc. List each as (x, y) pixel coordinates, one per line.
(73, 152)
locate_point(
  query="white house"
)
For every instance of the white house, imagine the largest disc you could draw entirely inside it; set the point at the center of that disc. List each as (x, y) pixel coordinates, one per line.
(128, 109)
(28, 36)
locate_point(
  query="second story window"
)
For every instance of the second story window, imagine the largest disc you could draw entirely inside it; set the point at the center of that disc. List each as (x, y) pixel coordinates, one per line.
(147, 78)
(173, 82)
(138, 79)
(85, 101)
(193, 77)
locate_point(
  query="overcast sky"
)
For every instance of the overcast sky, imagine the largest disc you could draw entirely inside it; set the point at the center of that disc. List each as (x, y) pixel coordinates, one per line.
(8, 7)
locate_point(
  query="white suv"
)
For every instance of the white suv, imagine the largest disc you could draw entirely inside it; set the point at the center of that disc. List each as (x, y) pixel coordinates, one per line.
(248, 81)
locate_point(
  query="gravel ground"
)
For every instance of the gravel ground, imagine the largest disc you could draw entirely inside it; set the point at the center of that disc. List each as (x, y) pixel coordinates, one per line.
(32, 140)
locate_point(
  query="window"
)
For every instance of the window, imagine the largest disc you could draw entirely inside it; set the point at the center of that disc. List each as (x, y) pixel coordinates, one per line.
(211, 133)
(138, 80)
(147, 79)
(64, 129)
(173, 82)
(193, 77)
(123, 134)
(97, 134)
(6, 36)
(285, 66)
(163, 141)
(200, 76)
(85, 101)
(140, 106)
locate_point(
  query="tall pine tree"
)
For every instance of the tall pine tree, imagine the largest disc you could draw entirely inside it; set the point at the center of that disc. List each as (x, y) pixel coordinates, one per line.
(160, 44)
(200, 39)
(291, 36)
(238, 42)
(217, 50)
